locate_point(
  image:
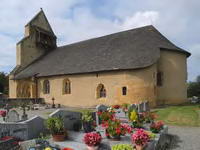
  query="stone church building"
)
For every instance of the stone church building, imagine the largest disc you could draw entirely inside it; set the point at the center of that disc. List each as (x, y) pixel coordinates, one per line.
(125, 67)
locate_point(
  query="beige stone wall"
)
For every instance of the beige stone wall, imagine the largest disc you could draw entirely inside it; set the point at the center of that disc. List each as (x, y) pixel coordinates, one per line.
(140, 84)
(174, 68)
(12, 87)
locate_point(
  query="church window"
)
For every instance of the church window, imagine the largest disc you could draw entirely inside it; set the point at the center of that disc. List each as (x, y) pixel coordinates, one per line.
(159, 78)
(66, 86)
(46, 87)
(101, 91)
(124, 90)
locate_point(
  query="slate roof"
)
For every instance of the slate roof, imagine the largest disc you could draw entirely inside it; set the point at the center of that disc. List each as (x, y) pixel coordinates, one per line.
(132, 49)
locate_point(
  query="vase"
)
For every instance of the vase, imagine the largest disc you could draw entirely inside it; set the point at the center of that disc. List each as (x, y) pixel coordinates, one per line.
(59, 138)
(92, 147)
(139, 147)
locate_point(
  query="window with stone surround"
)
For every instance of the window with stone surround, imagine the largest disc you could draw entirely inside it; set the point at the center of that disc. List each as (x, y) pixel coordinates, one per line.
(46, 87)
(124, 90)
(66, 86)
(101, 91)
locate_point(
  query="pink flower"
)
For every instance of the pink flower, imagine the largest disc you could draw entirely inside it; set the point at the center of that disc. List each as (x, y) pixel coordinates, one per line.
(92, 139)
(140, 137)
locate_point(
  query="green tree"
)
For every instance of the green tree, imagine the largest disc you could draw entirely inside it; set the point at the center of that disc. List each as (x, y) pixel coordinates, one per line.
(4, 83)
(194, 88)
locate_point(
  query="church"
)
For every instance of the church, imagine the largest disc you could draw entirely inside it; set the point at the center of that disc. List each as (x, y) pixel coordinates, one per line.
(125, 67)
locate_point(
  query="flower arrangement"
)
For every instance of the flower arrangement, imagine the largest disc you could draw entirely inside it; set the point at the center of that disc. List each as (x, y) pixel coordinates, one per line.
(113, 128)
(128, 129)
(149, 117)
(140, 137)
(122, 147)
(133, 116)
(156, 127)
(88, 122)
(125, 107)
(2, 113)
(116, 106)
(106, 115)
(92, 139)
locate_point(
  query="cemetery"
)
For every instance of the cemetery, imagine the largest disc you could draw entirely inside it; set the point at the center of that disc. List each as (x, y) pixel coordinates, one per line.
(118, 127)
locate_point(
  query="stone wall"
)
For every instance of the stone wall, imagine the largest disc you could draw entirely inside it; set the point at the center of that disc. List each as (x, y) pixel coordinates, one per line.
(14, 102)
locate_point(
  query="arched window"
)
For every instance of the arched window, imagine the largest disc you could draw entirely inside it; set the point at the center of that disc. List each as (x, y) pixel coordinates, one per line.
(124, 90)
(101, 91)
(66, 86)
(46, 87)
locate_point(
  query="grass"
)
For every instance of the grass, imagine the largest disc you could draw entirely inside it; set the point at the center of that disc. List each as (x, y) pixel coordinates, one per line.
(180, 115)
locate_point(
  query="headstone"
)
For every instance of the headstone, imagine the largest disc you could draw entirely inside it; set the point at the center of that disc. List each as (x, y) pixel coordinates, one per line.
(146, 106)
(101, 107)
(133, 106)
(71, 118)
(12, 116)
(140, 107)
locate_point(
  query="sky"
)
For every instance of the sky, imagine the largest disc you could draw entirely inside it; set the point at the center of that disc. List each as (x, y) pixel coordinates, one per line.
(77, 20)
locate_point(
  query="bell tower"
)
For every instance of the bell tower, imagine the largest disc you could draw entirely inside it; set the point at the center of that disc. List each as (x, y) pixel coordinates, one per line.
(38, 40)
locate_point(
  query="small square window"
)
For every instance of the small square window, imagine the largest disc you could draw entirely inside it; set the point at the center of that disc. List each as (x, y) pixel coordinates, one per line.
(124, 90)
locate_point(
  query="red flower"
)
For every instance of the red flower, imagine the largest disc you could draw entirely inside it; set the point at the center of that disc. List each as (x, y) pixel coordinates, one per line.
(66, 148)
(2, 113)
(116, 106)
(118, 131)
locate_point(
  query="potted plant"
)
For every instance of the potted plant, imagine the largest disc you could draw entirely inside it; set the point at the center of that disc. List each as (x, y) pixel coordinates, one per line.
(156, 127)
(149, 117)
(56, 127)
(122, 147)
(92, 140)
(88, 122)
(140, 139)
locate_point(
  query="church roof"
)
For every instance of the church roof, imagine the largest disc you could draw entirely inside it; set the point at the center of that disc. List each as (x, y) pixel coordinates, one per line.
(131, 49)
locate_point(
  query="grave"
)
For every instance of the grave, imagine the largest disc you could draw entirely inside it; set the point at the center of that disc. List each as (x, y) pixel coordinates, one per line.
(146, 106)
(12, 116)
(71, 119)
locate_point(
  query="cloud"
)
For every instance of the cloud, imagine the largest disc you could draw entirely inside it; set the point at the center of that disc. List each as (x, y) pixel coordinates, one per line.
(76, 20)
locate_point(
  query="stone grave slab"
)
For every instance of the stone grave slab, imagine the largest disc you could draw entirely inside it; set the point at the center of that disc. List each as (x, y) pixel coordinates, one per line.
(12, 116)
(146, 106)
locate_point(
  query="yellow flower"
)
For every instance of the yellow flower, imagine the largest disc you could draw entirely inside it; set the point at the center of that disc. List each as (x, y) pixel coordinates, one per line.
(133, 116)
(48, 148)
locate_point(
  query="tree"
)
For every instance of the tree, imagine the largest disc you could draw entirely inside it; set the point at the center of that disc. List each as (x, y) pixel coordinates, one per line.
(194, 88)
(4, 83)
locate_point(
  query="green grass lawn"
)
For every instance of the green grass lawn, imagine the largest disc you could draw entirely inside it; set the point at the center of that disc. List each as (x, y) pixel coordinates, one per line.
(180, 115)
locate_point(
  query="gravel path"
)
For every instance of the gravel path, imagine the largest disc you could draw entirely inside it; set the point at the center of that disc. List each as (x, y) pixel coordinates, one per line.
(185, 138)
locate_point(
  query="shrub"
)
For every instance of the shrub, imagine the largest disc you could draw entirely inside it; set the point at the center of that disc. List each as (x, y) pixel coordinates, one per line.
(122, 147)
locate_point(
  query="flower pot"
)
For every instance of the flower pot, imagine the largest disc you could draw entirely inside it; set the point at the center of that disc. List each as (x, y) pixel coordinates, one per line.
(59, 138)
(87, 126)
(115, 138)
(139, 147)
(92, 147)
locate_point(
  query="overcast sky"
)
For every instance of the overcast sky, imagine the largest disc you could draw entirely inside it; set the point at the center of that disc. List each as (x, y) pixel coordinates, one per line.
(75, 20)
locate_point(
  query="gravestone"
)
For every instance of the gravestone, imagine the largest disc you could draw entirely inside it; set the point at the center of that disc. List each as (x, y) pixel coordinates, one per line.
(133, 106)
(12, 116)
(101, 107)
(140, 107)
(146, 106)
(71, 119)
